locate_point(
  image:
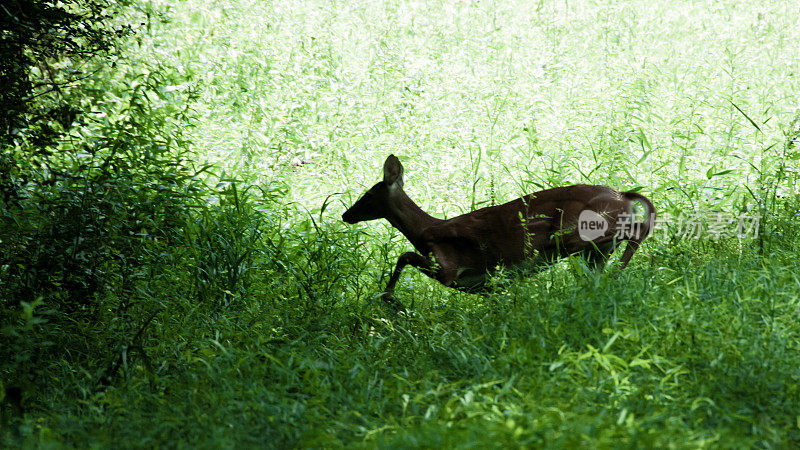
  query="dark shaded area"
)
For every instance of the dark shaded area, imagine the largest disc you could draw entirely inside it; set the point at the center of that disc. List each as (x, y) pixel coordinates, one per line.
(36, 37)
(88, 207)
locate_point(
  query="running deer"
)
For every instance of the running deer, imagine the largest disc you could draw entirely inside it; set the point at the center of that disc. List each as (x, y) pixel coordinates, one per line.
(587, 220)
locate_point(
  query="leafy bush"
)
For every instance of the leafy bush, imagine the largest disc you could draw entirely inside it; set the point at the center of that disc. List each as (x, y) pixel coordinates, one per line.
(97, 184)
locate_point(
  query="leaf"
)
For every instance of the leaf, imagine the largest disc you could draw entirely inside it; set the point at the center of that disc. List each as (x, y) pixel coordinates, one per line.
(746, 116)
(711, 174)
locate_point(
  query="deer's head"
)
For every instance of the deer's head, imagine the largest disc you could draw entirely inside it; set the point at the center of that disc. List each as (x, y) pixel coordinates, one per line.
(375, 203)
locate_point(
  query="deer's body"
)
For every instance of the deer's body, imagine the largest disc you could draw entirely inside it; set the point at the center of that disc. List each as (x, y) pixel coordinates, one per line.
(539, 227)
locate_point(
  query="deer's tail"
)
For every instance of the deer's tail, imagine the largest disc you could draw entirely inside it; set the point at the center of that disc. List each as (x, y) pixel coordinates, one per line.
(640, 229)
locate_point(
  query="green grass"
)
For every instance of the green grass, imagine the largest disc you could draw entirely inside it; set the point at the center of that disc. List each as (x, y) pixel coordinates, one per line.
(279, 341)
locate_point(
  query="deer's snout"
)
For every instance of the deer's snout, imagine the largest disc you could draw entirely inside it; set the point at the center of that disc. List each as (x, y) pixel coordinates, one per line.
(348, 217)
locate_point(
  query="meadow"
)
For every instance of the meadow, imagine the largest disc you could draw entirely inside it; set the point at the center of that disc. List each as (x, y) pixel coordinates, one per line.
(255, 321)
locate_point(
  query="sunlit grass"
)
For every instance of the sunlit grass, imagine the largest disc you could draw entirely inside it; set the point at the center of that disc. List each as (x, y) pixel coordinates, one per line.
(694, 345)
(631, 94)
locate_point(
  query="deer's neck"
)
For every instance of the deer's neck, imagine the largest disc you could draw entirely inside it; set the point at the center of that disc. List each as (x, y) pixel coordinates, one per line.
(410, 219)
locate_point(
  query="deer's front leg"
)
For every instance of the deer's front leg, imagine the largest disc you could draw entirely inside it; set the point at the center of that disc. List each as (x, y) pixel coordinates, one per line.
(425, 265)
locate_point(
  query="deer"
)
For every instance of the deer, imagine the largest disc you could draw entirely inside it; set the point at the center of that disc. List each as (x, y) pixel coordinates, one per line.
(590, 221)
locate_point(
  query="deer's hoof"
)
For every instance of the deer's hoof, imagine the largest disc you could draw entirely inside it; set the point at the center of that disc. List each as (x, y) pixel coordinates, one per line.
(393, 303)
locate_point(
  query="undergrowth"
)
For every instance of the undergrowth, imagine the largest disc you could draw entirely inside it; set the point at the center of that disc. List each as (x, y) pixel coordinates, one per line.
(175, 272)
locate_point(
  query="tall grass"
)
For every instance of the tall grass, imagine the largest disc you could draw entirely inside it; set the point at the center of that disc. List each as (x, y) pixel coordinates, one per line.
(270, 334)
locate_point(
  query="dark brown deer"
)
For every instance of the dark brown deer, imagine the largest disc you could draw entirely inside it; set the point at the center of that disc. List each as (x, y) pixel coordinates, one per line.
(542, 227)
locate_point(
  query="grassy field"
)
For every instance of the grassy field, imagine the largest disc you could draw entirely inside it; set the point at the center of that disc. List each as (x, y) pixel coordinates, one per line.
(297, 104)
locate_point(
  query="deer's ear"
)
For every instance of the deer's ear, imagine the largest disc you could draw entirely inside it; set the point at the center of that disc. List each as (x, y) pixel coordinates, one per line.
(393, 171)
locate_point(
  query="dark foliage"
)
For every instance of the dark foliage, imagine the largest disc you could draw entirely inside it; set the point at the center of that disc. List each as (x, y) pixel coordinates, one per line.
(88, 206)
(36, 36)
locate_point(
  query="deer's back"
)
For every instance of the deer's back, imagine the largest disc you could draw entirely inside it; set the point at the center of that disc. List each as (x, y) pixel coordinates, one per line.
(509, 233)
